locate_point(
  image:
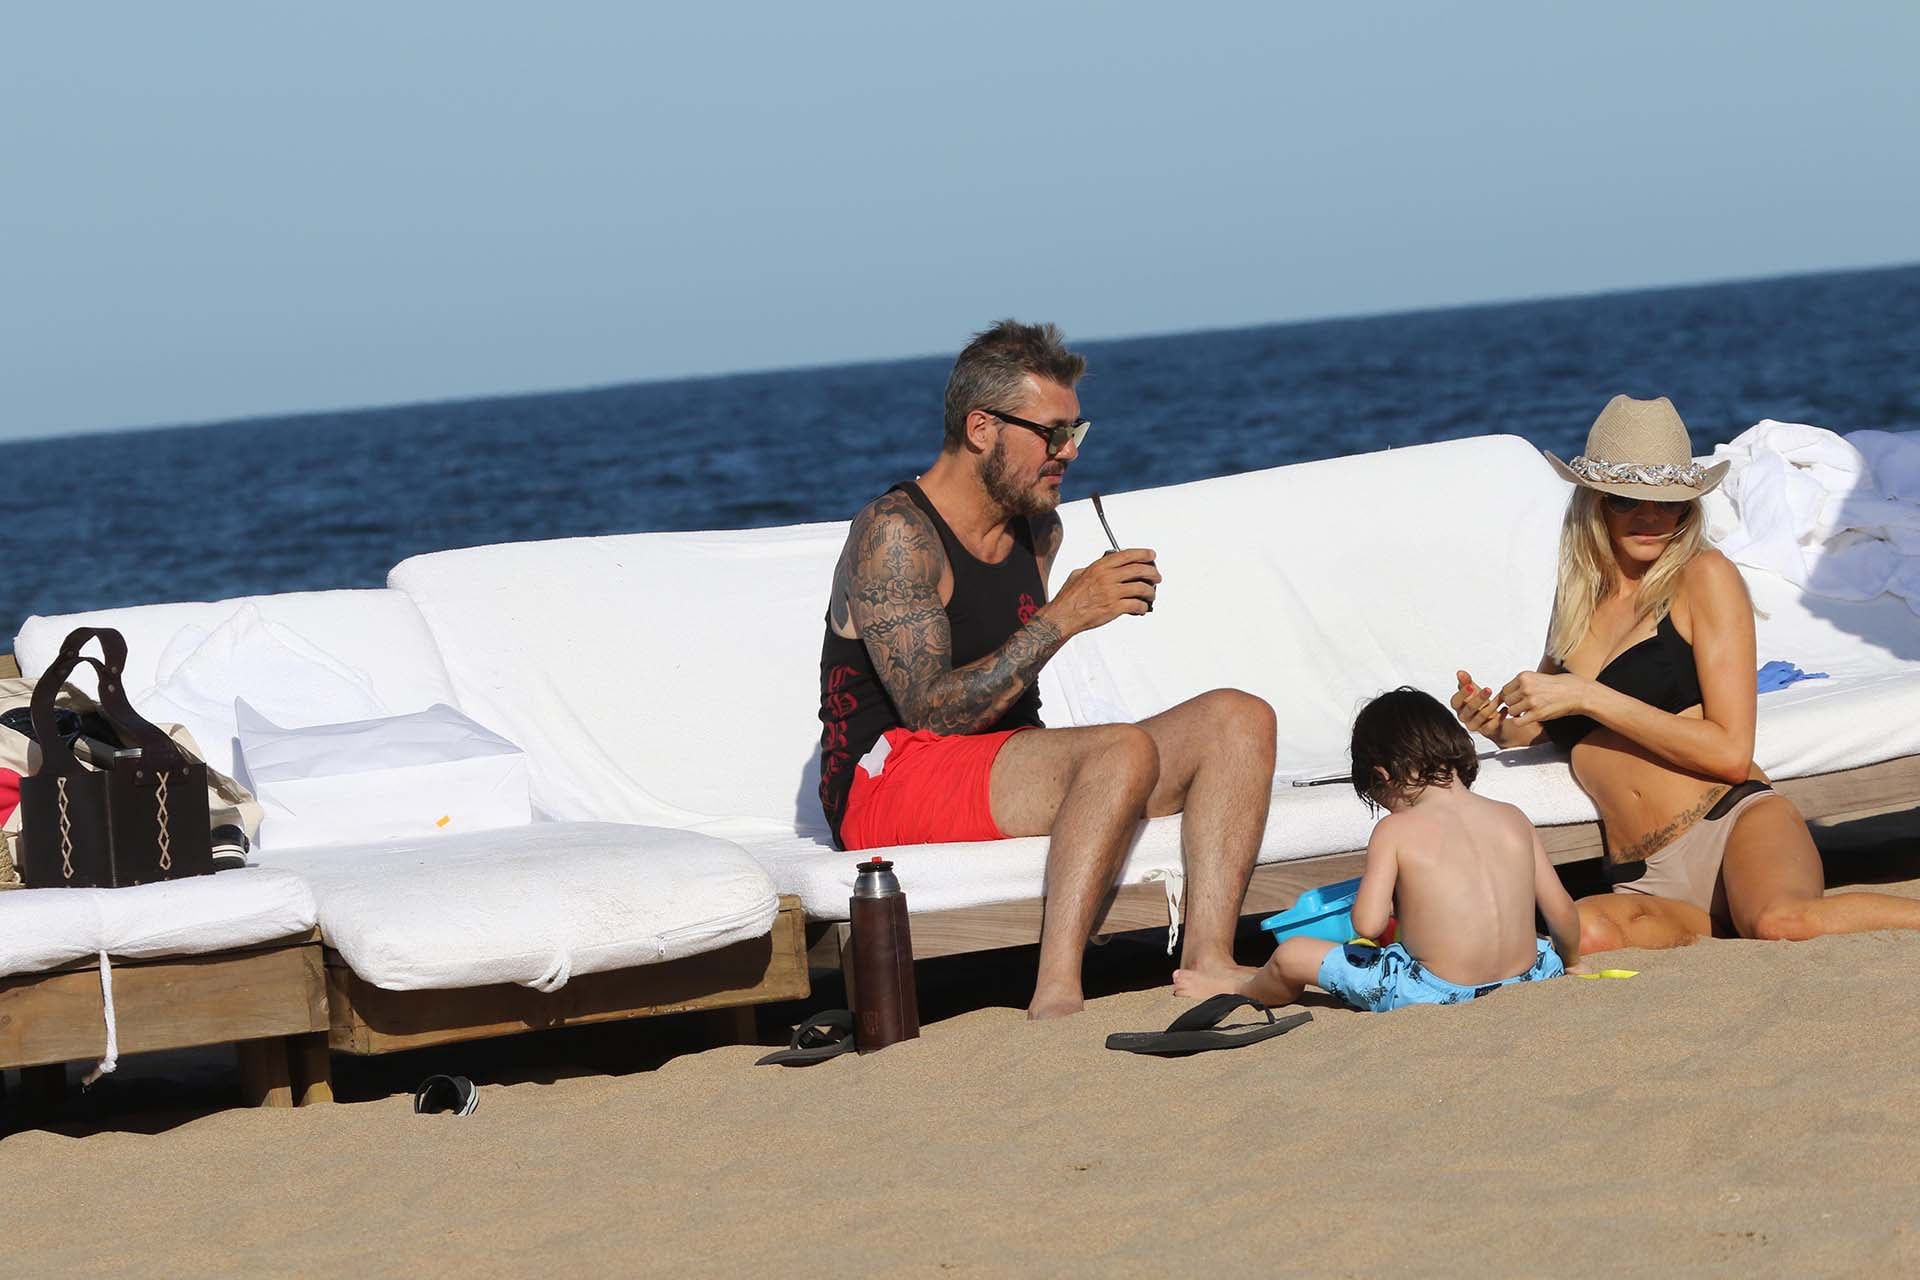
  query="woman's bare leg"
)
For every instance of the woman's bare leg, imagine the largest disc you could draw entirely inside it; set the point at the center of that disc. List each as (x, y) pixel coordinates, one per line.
(1612, 921)
(1776, 885)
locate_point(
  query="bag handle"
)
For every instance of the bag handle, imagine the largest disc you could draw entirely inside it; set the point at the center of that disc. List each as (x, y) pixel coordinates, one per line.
(158, 751)
(113, 645)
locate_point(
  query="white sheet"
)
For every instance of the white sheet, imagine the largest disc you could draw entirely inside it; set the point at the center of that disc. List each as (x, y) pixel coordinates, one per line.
(673, 679)
(372, 643)
(1857, 716)
(1274, 583)
(1338, 598)
(1809, 506)
(667, 679)
(41, 929)
(426, 774)
(1320, 585)
(533, 905)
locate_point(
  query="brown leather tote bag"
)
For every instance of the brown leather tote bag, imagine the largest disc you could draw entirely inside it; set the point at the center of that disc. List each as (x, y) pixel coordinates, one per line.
(139, 818)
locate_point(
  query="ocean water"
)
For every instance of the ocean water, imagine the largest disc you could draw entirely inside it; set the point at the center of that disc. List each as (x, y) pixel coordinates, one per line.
(335, 499)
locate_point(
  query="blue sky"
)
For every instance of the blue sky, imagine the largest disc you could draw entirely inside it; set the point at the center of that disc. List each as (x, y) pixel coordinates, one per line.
(221, 210)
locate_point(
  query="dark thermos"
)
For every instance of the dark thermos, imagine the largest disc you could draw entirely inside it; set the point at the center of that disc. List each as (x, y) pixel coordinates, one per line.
(886, 1009)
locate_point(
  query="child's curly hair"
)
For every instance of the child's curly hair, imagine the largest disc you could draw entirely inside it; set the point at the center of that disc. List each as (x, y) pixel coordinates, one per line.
(1412, 737)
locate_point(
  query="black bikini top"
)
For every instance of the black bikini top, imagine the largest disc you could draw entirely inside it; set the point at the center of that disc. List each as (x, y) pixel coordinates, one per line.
(1659, 671)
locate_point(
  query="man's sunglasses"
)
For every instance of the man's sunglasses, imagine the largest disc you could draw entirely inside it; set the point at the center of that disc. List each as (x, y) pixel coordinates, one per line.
(1622, 505)
(1057, 437)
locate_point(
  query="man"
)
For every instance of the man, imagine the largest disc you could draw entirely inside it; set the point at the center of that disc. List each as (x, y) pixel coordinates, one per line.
(937, 629)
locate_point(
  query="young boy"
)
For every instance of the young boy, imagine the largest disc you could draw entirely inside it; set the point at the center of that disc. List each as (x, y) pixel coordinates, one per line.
(1465, 873)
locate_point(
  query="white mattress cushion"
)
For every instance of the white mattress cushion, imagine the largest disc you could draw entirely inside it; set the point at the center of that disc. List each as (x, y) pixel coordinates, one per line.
(1304, 822)
(664, 678)
(1815, 727)
(1320, 585)
(532, 905)
(1315, 586)
(432, 773)
(674, 678)
(1867, 710)
(307, 657)
(41, 929)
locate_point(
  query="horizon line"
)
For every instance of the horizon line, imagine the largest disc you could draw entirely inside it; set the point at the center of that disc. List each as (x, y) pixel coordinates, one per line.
(877, 361)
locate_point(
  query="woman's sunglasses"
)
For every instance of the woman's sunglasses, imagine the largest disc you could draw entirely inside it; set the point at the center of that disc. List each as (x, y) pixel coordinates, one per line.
(1622, 505)
(1058, 437)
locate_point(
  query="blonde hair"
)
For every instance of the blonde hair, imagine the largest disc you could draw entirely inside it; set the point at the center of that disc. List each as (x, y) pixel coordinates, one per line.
(1589, 572)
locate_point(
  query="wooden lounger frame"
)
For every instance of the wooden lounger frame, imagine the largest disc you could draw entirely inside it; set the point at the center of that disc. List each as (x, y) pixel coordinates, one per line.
(269, 1001)
(286, 1006)
(1891, 786)
(365, 1019)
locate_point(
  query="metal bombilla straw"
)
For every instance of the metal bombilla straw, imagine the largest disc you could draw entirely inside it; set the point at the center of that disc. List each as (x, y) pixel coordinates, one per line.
(1112, 541)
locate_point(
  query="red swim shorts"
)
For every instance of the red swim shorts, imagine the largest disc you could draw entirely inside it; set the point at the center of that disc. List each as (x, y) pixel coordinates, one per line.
(920, 787)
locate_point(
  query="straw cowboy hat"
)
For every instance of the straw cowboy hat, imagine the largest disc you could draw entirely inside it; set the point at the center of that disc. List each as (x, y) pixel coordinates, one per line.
(1639, 449)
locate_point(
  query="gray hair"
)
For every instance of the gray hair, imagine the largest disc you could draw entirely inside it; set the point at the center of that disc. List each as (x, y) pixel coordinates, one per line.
(992, 371)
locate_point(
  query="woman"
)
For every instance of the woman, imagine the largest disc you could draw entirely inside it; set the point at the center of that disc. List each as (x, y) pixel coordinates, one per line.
(1649, 681)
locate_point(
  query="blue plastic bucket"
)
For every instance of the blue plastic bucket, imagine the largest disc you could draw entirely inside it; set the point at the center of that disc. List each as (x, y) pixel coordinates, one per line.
(1325, 913)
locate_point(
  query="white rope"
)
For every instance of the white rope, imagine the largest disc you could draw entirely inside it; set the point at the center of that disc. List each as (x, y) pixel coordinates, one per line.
(112, 1060)
(1175, 881)
(556, 975)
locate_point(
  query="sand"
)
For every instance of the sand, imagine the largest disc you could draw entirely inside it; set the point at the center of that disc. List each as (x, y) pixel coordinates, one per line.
(1737, 1107)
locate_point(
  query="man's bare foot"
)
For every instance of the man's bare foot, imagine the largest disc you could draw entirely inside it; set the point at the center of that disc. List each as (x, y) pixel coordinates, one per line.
(1198, 984)
(1059, 1005)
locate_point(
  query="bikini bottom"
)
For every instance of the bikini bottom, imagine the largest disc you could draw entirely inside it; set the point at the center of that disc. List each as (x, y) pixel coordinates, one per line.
(1687, 868)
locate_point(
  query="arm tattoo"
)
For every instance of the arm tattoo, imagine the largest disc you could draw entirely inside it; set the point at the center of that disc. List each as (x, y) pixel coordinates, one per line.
(892, 567)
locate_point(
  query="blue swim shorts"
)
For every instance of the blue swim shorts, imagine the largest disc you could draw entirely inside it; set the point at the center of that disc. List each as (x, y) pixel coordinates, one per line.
(1377, 979)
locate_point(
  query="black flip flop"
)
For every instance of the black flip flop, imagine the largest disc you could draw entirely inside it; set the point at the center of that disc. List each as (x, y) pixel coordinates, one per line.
(824, 1035)
(1198, 1029)
(437, 1094)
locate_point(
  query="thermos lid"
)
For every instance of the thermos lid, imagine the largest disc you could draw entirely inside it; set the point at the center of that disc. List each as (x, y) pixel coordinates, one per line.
(875, 879)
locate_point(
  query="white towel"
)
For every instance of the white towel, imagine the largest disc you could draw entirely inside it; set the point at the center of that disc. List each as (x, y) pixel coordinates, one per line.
(1895, 459)
(1837, 517)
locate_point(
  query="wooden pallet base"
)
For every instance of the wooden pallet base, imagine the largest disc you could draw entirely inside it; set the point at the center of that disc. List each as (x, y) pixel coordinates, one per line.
(270, 1001)
(365, 1019)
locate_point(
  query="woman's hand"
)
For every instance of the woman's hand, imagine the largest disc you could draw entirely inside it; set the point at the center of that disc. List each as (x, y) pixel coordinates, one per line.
(1477, 709)
(1533, 696)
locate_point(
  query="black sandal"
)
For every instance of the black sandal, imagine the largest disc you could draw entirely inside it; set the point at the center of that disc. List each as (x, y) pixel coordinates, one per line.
(454, 1094)
(824, 1035)
(1198, 1029)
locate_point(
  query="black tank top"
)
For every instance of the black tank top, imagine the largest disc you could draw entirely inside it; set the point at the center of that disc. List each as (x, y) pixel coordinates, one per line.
(1659, 671)
(990, 602)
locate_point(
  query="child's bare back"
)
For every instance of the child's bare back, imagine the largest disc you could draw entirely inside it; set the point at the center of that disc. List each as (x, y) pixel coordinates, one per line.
(1464, 874)
(1465, 884)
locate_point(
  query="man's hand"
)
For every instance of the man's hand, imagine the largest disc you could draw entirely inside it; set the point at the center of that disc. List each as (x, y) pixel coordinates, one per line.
(1118, 582)
(1477, 708)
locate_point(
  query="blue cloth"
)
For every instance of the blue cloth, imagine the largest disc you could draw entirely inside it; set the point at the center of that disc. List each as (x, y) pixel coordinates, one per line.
(1376, 979)
(1778, 675)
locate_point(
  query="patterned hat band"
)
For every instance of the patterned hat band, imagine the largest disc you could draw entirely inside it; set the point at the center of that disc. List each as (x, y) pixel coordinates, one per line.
(1692, 475)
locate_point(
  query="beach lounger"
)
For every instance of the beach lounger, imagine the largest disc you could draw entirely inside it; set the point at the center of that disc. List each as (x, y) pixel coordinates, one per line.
(458, 936)
(1315, 586)
(553, 924)
(668, 682)
(228, 958)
